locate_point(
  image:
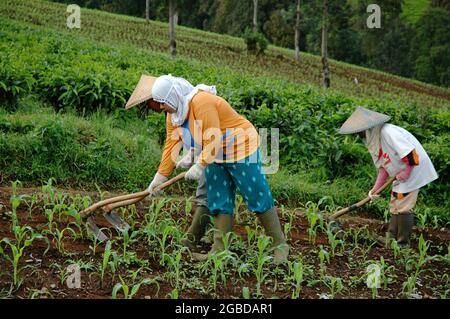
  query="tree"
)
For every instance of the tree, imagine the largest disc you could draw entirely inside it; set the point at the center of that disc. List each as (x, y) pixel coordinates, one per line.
(297, 32)
(430, 51)
(147, 10)
(173, 17)
(255, 15)
(325, 67)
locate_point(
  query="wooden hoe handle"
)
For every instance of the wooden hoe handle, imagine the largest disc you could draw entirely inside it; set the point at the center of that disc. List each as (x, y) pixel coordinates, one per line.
(362, 202)
(127, 199)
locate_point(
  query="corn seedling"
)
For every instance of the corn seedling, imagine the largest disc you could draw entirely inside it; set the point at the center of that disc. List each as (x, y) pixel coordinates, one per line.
(167, 230)
(312, 216)
(296, 269)
(395, 248)
(332, 240)
(58, 236)
(62, 272)
(422, 217)
(409, 285)
(174, 263)
(40, 294)
(386, 215)
(238, 204)
(245, 293)
(324, 258)
(30, 204)
(128, 239)
(173, 294)
(385, 269)
(50, 216)
(287, 230)
(262, 244)
(130, 290)
(423, 249)
(251, 234)
(105, 260)
(17, 248)
(244, 268)
(334, 284)
(188, 206)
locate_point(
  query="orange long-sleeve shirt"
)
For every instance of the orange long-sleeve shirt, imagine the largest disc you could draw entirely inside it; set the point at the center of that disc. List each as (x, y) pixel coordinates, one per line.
(223, 134)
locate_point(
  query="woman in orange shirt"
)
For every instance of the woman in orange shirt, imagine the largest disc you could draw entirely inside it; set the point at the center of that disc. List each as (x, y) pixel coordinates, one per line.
(227, 145)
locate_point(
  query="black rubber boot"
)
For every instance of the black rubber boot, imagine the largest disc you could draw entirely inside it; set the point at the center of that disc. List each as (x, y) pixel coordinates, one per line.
(393, 227)
(405, 226)
(391, 234)
(197, 230)
(272, 226)
(223, 224)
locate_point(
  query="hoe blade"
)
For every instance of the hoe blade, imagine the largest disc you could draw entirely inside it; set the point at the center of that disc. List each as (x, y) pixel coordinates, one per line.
(95, 230)
(114, 219)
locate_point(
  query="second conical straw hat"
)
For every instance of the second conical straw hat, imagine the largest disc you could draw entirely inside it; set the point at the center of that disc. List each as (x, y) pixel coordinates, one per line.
(363, 119)
(142, 92)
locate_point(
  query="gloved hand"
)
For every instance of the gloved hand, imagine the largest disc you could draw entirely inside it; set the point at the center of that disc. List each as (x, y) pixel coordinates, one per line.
(187, 160)
(404, 174)
(195, 172)
(157, 180)
(381, 179)
(372, 195)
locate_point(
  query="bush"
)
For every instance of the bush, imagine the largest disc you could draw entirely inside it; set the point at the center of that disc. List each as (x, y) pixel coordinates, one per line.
(14, 83)
(256, 42)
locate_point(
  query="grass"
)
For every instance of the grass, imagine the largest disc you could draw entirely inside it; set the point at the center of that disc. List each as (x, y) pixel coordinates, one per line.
(214, 50)
(412, 10)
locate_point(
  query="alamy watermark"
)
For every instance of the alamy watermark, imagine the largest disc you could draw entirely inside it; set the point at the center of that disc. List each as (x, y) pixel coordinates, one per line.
(373, 276)
(74, 19)
(73, 280)
(231, 145)
(374, 20)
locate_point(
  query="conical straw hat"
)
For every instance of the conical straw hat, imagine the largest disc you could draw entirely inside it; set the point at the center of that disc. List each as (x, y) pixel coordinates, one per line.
(142, 92)
(363, 119)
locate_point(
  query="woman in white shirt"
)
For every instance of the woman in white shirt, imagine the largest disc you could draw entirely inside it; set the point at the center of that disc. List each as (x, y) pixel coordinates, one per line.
(395, 152)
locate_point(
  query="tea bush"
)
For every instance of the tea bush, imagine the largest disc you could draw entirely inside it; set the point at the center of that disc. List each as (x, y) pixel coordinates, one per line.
(93, 79)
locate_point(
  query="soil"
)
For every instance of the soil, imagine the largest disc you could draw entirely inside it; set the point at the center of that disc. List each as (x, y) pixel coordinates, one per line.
(40, 272)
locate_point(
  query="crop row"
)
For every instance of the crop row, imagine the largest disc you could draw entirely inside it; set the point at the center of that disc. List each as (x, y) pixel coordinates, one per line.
(150, 254)
(218, 50)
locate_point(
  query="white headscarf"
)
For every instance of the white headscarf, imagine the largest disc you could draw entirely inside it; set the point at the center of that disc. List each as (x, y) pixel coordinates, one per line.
(178, 93)
(373, 143)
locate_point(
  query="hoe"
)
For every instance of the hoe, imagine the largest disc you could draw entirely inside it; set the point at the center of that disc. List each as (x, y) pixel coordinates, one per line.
(336, 226)
(108, 206)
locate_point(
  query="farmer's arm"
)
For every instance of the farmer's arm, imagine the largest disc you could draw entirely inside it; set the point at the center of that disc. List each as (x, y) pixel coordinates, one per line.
(172, 147)
(406, 151)
(212, 135)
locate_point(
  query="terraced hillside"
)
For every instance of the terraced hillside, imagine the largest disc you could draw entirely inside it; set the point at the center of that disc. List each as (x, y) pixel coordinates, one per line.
(220, 50)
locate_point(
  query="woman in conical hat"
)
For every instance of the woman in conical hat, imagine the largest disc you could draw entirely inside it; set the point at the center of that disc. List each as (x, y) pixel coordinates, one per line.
(226, 152)
(395, 152)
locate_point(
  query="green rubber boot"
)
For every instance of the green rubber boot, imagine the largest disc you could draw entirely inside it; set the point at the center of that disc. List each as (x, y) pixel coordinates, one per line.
(271, 224)
(391, 234)
(405, 226)
(197, 230)
(223, 224)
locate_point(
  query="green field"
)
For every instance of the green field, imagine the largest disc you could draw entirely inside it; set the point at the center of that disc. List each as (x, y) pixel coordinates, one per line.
(413, 9)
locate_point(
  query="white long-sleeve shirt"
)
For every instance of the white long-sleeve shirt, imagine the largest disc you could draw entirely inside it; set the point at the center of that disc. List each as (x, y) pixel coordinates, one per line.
(396, 143)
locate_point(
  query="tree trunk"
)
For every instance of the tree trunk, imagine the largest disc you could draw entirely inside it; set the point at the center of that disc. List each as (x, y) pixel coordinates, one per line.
(325, 67)
(297, 32)
(255, 15)
(173, 17)
(147, 10)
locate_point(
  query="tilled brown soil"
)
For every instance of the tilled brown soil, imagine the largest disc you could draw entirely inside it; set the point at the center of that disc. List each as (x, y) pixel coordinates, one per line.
(41, 277)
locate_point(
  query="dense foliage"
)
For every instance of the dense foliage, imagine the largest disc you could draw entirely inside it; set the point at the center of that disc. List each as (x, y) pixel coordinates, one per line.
(101, 79)
(393, 48)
